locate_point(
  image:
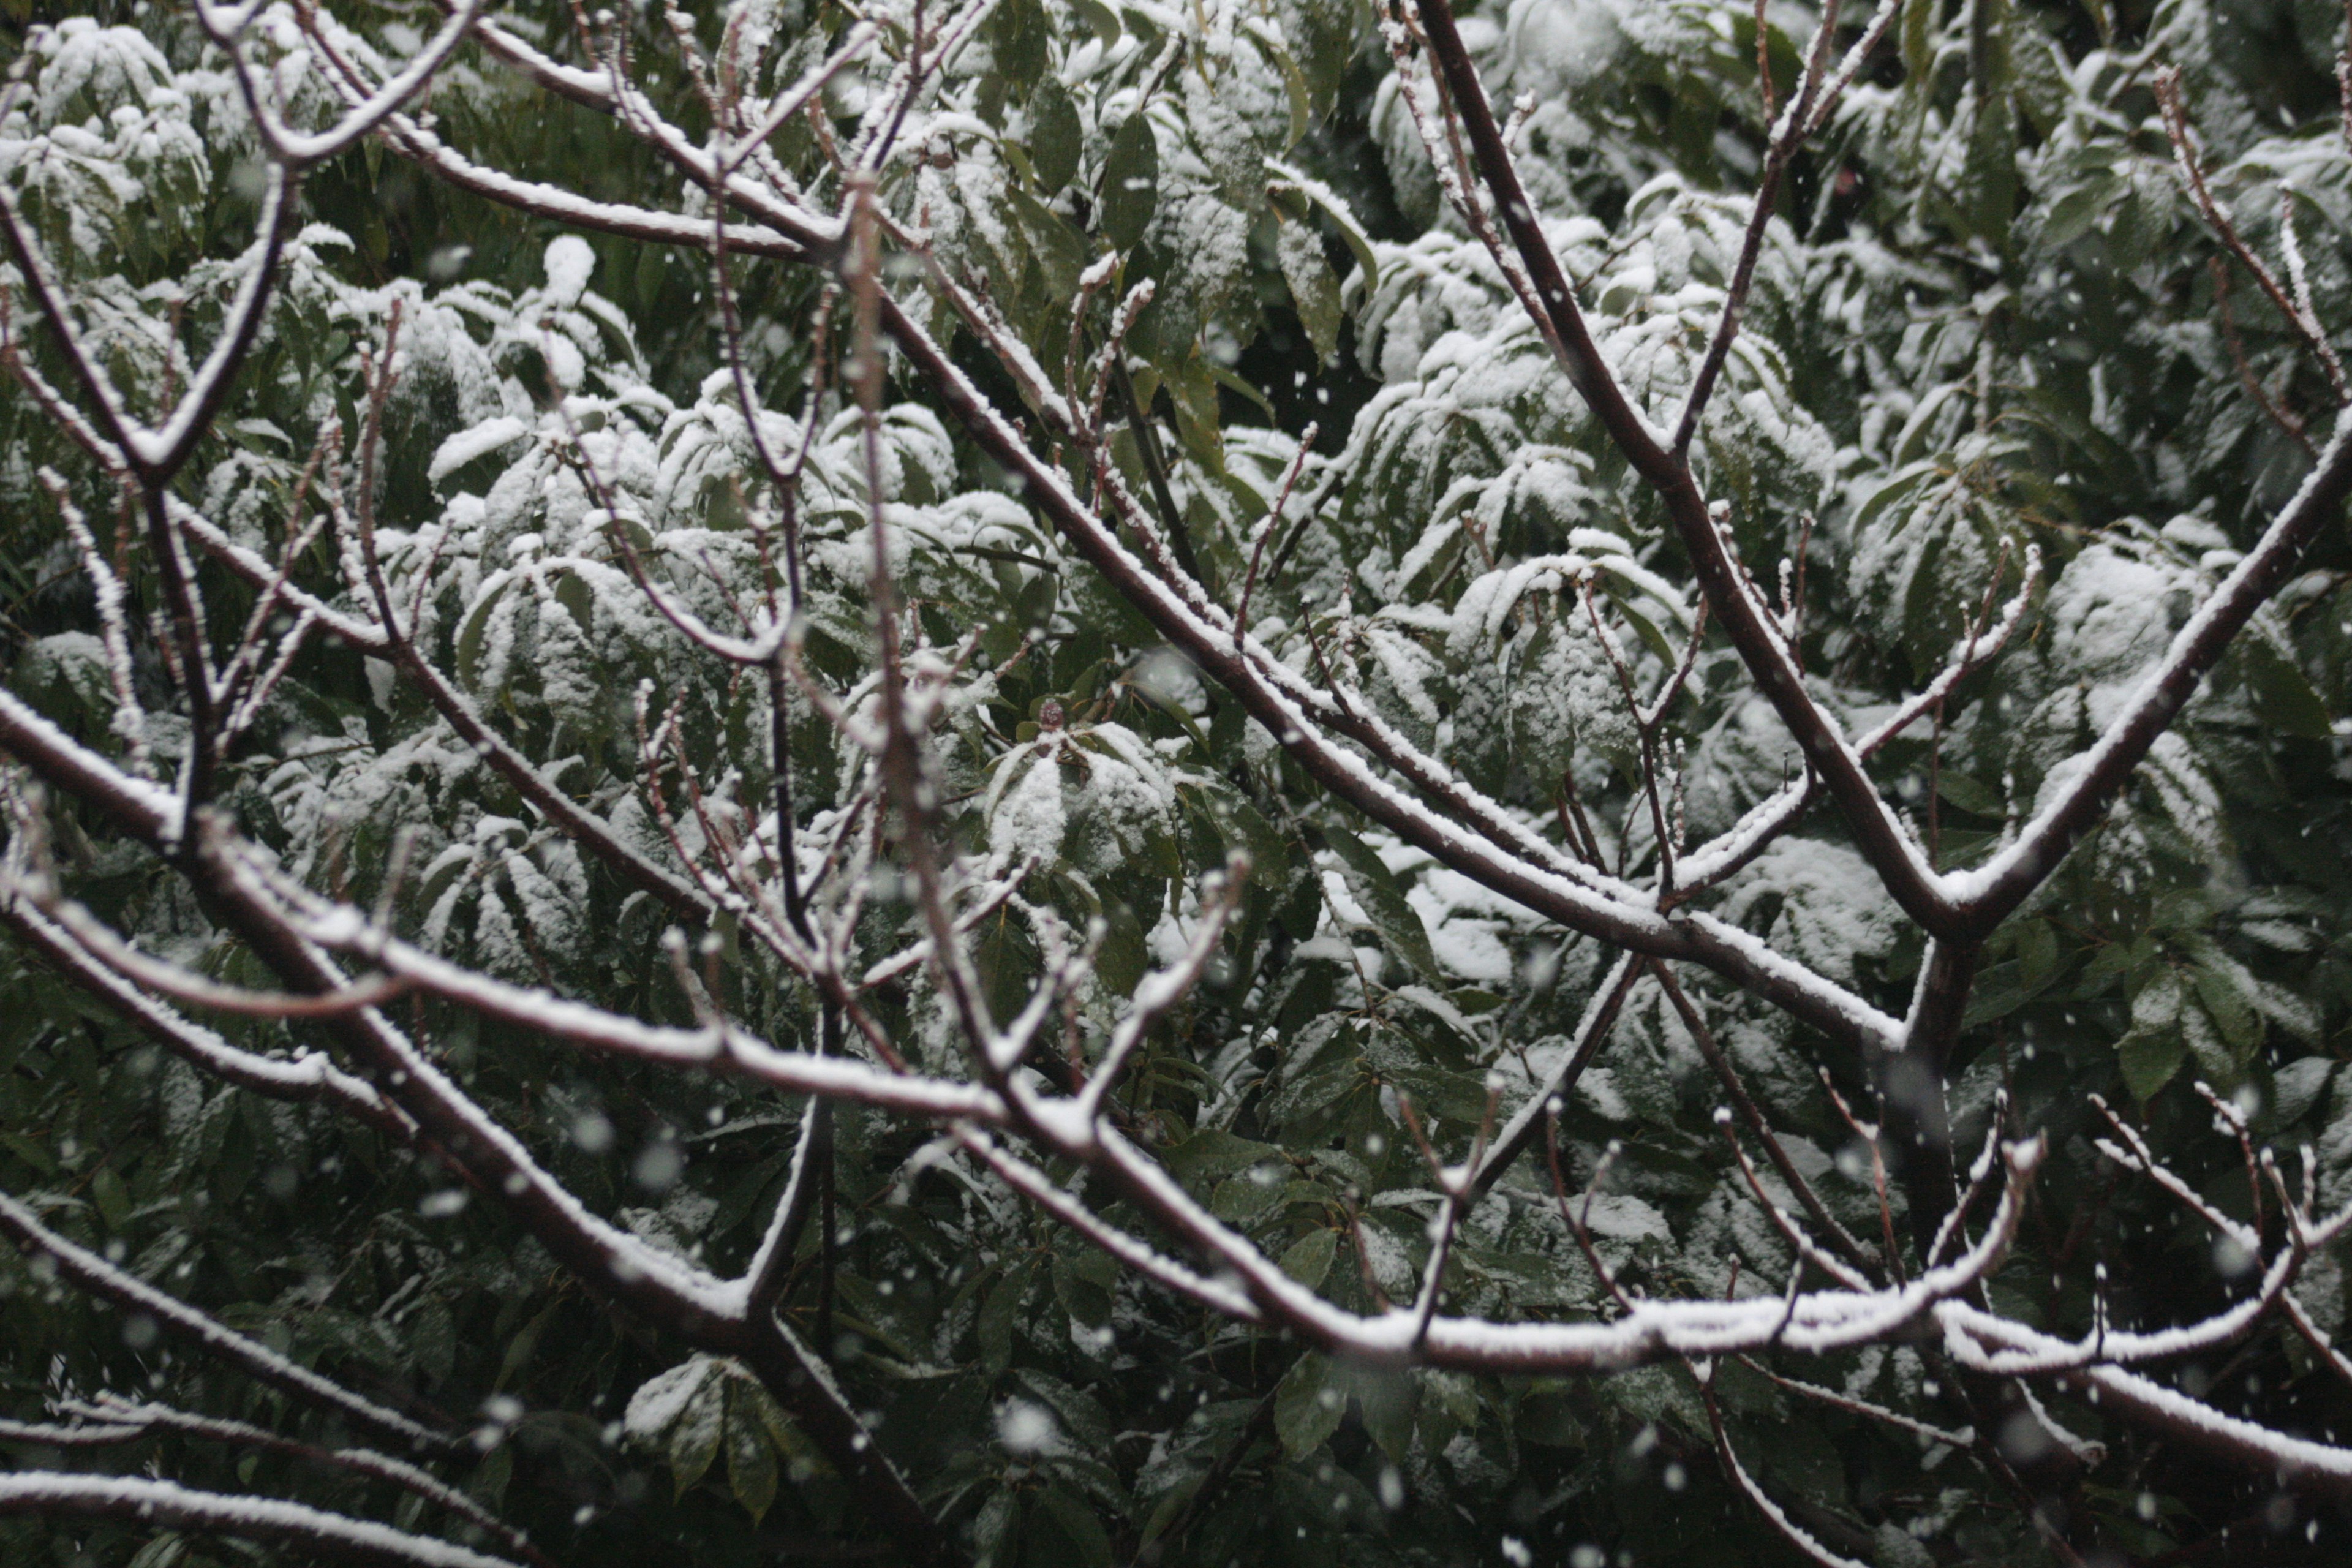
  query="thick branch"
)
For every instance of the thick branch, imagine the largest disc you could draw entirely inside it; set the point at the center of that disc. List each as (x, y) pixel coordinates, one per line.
(1745, 620)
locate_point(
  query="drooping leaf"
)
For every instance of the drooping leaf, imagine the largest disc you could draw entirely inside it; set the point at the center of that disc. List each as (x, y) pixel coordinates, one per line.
(1130, 192)
(1308, 1405)
(1055, 137)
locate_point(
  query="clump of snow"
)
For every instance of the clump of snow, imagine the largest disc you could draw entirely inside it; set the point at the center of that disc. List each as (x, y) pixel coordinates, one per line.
(662, 1399)
(1026, 1429)
(571, 262)
(1833, 909)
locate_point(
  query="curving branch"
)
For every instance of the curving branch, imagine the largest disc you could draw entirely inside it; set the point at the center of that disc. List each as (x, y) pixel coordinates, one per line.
(138, 1499)
(95, 1275)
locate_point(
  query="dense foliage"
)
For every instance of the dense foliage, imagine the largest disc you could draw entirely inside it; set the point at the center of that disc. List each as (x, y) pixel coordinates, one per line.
(2006, 406)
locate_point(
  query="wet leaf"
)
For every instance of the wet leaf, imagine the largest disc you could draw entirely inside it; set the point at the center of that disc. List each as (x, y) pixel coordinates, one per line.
(1130, 183)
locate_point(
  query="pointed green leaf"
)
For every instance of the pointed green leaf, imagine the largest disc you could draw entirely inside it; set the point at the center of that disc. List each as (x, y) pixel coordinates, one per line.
(112, 1198)
(2148, 1059)
(2157, 1002)
(994, 1538)
(1336, 209)
(1388, 1398)
(1101, 18)
(751, 1457)
(2297, 1087)
(471, 629)
(2283, 696)
(1375, 887)
(1313, 289)
(2222, 988)
(1308, 1405)
(1308, 1258)
(997, 1312)
(1078, 1523)
(1021, 33)
(694, 1440)
(1082, 1299)
(1130, 183)
(2217, 1063)
(1055, 137)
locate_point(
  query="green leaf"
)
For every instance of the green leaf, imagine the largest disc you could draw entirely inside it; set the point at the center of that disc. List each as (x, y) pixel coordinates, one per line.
(434, 1340)
(32, 1153)
(525, 1344)
(1989, 179)
(492, 1475)
(1083, 1298)
(1313, 289)
(2220, 1065)
(1459, 1099)
(2223, 988)
(2283, 698)
(573, 592)
(1780, 52)
(1212, 1151)
(1294, 81)
(2070, 217)
(751, 1455)
(1452, 1392)
(2143, 220)
(1308, 1258)
(694, 1440)
(1247, 1198)
(2002, 990)
(2037, 950)
(2148, 1059)
(1130, 183)
(2039, 74)
(1388, 1399)
(1342, 216)
(1243, 827)
(2159, 1002)
(1125, 955)
(471, 629)
(1193, 389)
(2297, 1087)
(1020, 34)
(1080, 1412)
(112, 1198)
(1549, 1419)
(992, 1535)
(1308, 1405)
(1966, 792)
(1060, 253)
(1375, 887)
(1310, 1092)
(1233, 384)
(1078, 1523)
(166, 1551)
(1102, 19)
(1919, 40)
(1055, 137)
(997, 1312)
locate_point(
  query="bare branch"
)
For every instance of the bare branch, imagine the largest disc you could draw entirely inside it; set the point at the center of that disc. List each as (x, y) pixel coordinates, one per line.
(137, 1500)
(1787, 1529)
(111, 1413)
(2297, 311)
(95, 1275)
(1712, 1053)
